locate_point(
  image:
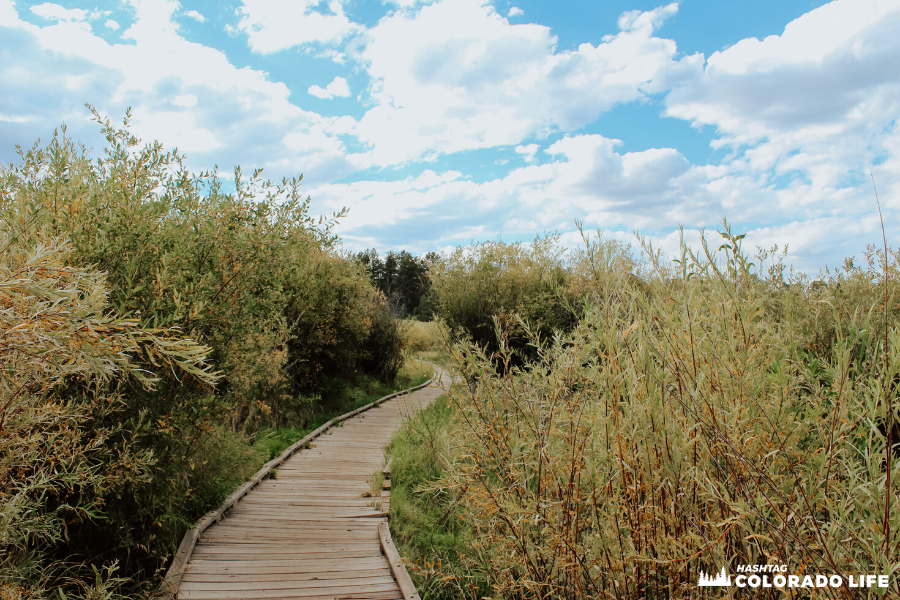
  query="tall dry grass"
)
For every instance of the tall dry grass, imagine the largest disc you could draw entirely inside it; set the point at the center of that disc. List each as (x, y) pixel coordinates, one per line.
(710, 414)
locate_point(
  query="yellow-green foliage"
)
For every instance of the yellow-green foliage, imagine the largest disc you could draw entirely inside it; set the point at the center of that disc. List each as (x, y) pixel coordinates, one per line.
(421, 336)
(56, 465)
(477, 284)
(424, 525)
(250, 275)
(699, 417)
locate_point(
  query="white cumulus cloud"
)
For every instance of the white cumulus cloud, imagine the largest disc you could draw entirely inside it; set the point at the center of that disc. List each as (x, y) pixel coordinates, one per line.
(56, 12)
(338, 87)
(193, 14)
(528, 151)
(515, 11)
(458, 76)
(588, 179)
(273, 25)
(817, 104)
(184, 93)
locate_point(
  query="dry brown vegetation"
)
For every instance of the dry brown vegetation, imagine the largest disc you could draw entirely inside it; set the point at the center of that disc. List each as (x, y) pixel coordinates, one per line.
(702, 413)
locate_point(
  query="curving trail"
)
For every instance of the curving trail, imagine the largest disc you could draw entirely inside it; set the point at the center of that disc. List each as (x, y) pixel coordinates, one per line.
(316, 531)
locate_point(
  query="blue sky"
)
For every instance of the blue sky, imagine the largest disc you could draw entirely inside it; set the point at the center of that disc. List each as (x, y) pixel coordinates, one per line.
(441, 122)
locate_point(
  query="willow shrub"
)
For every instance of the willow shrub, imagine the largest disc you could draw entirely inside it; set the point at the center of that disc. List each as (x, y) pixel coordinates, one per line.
(250, 274)
(494, 280)
(61, 456)
(687, 423)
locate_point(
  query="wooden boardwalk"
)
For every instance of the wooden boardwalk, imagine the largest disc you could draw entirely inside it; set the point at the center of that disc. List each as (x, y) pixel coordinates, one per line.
(312, 532)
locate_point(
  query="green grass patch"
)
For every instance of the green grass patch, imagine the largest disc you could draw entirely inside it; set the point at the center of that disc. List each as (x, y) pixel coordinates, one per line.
(424, 523)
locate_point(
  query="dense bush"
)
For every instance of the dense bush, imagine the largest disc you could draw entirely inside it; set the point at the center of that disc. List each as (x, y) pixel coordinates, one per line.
(251, 275)
(482, 286)
(423, 338)
(704, 413)
(63, 455)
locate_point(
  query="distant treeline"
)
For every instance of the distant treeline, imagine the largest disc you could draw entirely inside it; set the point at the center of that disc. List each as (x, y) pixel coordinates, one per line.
(404, 279)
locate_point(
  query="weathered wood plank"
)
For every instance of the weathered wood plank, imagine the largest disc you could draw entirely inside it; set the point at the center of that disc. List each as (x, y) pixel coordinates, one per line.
(394, 594)
(289, 583)
(313, 566)
(327, 591)
(335, 551)
(314, 529)
(365, 574)
(400, 574)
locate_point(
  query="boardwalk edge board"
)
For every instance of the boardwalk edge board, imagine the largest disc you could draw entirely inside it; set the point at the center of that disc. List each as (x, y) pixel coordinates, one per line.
(397, 568)
(172, 581)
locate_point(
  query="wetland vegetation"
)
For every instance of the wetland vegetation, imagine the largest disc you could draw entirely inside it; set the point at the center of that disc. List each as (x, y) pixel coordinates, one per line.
(621, 420)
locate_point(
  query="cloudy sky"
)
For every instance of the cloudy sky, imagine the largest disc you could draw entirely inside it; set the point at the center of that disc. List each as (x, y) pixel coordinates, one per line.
(440, 122)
